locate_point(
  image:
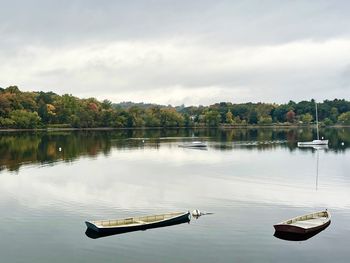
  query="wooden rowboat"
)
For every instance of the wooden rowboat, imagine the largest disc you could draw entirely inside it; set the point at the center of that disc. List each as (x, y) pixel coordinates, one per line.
(137, 223)
(305, 224)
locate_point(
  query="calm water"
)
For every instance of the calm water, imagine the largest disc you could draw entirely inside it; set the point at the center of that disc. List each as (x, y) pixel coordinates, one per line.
(249, 179)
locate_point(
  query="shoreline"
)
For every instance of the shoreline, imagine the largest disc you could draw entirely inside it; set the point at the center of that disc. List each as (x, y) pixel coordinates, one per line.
(224, 127)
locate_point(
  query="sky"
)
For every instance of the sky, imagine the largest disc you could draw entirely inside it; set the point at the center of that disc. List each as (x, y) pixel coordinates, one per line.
(178, 52)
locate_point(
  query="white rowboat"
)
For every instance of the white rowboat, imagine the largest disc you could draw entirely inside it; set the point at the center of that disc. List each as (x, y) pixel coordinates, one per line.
(138, 223)
(306, 223)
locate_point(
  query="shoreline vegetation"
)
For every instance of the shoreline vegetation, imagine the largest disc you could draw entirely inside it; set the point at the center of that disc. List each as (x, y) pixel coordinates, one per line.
(46, 111)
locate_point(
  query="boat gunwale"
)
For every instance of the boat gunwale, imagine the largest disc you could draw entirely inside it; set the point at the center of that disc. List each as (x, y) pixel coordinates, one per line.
(137, 224)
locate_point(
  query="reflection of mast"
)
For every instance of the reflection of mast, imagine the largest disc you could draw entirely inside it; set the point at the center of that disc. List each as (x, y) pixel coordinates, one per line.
(317, 169)
(318, 133)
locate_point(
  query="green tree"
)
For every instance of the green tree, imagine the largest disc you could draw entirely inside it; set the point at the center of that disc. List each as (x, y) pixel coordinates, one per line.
(229, 117)
(306, 118)
(106, 104)
(344, 118)
(327, 122)
(265, 120)
(253, 117)
(212, 118)
(24, 119)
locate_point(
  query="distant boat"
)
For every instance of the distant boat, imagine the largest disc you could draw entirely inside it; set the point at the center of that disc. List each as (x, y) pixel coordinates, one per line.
(305, 224)
(137, 223)
(195, 144)
(314, 142)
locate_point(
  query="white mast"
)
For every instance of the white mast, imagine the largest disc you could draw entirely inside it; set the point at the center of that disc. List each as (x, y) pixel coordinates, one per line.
(318, 135)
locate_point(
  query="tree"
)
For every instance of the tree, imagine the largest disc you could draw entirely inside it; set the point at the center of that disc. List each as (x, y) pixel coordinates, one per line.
(279, 113)
(334, 114)
(106, 104)
(327, 122)
(265, 120)
(170, 118)
(290, 116)
(229, 117)
(253, 117)
(306, 118)
(212, 118)
(344, 118)
(24, 119)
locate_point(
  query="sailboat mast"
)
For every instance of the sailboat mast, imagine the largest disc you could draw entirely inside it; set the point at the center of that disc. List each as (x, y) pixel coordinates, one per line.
(318, 135)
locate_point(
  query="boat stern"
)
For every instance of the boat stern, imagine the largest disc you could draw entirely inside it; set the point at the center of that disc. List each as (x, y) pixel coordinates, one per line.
(92, 226)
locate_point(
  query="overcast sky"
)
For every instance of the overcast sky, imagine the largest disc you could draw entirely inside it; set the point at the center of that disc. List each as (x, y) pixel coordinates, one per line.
(178, 52)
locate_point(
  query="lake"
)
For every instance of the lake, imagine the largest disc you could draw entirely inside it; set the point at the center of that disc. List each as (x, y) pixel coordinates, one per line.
(250, 179)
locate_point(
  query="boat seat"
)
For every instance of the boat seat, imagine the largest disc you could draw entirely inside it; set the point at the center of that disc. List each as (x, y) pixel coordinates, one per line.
(310, 222)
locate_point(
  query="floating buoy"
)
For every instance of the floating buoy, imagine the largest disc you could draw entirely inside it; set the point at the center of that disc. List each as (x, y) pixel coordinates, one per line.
(196, 212)
(342, 143)
(59, 149)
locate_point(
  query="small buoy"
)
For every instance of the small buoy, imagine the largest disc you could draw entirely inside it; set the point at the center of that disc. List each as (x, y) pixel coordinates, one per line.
(342, 143)
(322, 138)
(143, 141)
(196, 212)
(59, 149)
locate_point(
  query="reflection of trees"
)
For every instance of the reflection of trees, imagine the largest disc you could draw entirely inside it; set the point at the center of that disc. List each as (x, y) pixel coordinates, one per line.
(20, 148)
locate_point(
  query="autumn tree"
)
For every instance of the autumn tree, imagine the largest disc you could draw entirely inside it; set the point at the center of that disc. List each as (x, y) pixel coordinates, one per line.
(290, 116)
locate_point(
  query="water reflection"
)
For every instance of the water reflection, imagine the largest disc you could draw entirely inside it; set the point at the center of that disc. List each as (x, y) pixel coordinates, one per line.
(19, 148)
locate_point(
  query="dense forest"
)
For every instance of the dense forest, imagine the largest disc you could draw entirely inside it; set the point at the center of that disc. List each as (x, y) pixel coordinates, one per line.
(30, 110)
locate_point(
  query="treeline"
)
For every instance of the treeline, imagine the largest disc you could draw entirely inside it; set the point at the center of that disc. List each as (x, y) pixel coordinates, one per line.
(46, 109)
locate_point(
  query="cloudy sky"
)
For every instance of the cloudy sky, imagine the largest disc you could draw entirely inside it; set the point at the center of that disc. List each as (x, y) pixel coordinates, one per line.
(178, 52)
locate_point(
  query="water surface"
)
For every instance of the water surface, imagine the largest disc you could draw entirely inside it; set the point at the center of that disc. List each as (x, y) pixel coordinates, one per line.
(249, 179)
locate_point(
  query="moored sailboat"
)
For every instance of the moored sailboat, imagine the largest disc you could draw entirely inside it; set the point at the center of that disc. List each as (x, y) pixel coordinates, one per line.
(314, 142)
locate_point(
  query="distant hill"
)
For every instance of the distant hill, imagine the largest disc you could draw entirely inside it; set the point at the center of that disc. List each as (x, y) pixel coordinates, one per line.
(125, 105)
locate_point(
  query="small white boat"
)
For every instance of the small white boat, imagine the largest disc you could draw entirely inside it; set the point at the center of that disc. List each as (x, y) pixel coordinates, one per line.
(195, 144)
(313, 143)
(305, 224)
(138, 223)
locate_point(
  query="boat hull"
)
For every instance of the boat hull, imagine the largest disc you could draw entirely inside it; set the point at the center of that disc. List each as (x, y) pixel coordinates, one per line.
(291, 236)
(300, 230)
(122, 229)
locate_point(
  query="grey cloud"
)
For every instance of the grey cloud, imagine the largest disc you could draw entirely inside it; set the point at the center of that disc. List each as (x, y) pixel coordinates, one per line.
(226, 22)
(68, 27)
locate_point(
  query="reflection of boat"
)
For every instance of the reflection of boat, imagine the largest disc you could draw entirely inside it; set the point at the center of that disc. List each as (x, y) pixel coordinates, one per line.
(137, 223)
(315, 147)
(305, 224)
(315, 142)
(298, 237)
(195, 144)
